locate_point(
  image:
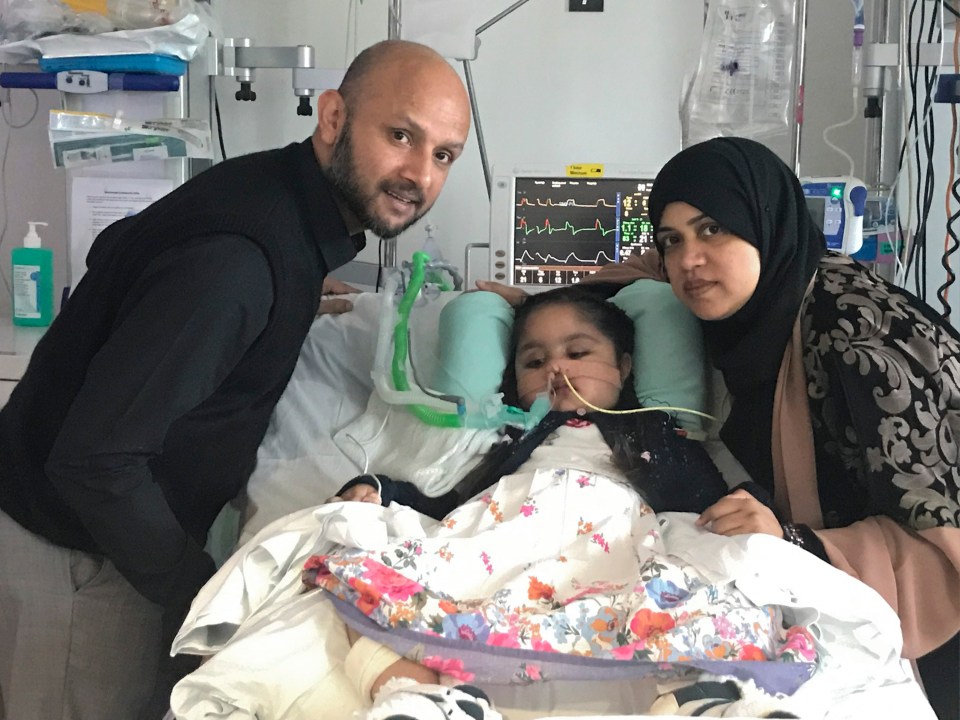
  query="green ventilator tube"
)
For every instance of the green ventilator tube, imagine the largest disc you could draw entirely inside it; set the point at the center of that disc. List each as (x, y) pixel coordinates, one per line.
(398, 367)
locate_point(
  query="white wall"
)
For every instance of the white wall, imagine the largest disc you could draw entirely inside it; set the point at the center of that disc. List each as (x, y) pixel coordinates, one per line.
(552, 87)
(32, 188)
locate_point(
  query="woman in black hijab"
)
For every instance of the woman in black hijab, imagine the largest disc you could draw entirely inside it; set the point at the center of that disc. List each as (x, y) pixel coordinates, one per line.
(760, 249)
(845, 389)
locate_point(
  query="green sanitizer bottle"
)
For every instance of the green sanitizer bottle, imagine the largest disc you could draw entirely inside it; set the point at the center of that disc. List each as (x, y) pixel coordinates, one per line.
(32, 281)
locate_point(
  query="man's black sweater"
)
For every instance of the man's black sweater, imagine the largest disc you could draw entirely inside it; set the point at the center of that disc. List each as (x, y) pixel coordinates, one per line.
(142, 407)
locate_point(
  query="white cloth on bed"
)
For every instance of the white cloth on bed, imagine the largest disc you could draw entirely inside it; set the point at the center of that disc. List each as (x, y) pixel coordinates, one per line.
(388, 440)
(328, 428)
(557, 562)
(259, 591)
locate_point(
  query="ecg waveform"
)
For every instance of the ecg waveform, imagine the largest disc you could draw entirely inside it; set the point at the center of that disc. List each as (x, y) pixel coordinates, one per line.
(565, 229)
(601, 258)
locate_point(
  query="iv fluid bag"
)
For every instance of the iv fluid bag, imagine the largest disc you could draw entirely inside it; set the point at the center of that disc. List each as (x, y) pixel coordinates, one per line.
(744, 83)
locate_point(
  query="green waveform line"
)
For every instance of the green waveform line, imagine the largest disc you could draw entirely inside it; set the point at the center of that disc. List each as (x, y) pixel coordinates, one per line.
(567, 226)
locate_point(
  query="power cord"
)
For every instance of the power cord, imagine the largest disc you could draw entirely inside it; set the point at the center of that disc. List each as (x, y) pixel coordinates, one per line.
(216, 110)
(922, 126)
(951, 243)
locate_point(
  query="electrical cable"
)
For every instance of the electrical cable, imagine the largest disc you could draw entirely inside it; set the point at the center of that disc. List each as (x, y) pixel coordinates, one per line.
(923, 129)
(917, 122)
(379, 266)
(951, 243)
(905, 231)
(453, 399)
(216, 110)
(926, 199)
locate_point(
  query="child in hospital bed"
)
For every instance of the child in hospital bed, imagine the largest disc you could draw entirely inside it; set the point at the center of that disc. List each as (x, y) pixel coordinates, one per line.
(575, 346)
(573, 334)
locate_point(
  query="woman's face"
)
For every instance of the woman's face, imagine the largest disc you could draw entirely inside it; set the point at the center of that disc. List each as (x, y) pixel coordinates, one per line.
(552, 337)
(712, 271)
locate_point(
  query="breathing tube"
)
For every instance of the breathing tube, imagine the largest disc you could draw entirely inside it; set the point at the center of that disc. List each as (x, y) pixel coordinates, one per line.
(427, 406)
(401, 347)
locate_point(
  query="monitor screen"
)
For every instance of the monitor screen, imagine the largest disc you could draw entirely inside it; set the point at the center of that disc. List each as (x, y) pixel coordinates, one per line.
(827, 213)
(565, 228)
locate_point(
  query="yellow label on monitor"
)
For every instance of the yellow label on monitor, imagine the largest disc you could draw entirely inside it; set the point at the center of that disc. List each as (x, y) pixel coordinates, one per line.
(582, 171)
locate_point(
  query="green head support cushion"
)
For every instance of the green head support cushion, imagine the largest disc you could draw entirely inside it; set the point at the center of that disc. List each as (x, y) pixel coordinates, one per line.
(668, 360)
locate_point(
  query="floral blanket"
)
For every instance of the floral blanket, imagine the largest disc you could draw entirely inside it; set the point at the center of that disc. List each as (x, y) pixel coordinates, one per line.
(558, 574)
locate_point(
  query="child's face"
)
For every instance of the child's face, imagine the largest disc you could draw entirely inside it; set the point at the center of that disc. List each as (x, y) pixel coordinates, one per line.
(552, 339)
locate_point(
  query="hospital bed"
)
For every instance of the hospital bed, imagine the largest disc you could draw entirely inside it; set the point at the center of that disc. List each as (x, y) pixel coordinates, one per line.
(330, 426)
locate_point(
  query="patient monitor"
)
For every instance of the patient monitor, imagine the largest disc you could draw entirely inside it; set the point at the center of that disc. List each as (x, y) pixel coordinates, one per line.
(551, 227)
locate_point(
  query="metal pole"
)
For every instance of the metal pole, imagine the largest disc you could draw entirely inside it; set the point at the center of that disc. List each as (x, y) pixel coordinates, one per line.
(484, 159)
(874, 154)
(394, 25)
(799, 88)
(890, 110)
(474, 105)
(500, 16)
(394, 22)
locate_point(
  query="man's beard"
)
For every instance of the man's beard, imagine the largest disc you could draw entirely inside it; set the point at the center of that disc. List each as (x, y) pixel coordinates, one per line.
(342, 172)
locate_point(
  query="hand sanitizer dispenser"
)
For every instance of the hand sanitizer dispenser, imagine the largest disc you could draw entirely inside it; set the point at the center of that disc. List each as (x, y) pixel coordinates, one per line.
(32, 281)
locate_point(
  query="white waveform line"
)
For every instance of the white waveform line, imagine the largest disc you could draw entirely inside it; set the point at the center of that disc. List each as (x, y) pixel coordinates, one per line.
(546, 259)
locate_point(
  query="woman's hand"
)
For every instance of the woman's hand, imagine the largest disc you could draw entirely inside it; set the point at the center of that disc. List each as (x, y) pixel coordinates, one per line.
(513, 295)
(358, 493)
(740, 513)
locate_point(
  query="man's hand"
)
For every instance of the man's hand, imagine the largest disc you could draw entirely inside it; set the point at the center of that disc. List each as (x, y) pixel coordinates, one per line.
(740, 513)
(358, 493)
(513, 295)
(330, 305)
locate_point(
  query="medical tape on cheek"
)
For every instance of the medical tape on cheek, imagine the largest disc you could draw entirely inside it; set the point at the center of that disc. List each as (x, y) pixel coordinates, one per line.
(531, 385)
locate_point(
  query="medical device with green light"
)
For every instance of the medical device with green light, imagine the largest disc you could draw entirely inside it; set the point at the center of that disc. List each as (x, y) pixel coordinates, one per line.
(837, 205)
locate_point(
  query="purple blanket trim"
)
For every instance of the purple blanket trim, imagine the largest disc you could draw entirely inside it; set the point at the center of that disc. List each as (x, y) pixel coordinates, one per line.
(485, 663)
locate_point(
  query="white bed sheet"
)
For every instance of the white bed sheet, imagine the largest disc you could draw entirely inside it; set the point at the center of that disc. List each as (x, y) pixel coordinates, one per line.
(276, 647)
(305, 458)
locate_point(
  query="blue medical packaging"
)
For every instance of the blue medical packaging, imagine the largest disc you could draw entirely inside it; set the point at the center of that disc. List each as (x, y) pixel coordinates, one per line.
(133, 63)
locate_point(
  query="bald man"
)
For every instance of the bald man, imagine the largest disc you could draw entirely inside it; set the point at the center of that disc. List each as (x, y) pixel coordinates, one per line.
(141, 411)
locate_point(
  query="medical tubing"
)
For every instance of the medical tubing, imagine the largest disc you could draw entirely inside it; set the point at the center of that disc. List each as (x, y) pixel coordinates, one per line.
(633, 411)
(401, 345)
(858, 30)
(843, 123)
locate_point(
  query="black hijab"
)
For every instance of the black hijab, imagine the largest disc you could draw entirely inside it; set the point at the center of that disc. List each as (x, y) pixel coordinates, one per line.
(748, 190)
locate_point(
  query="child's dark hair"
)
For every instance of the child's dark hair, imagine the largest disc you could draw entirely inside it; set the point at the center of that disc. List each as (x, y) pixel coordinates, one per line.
(591, 304)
